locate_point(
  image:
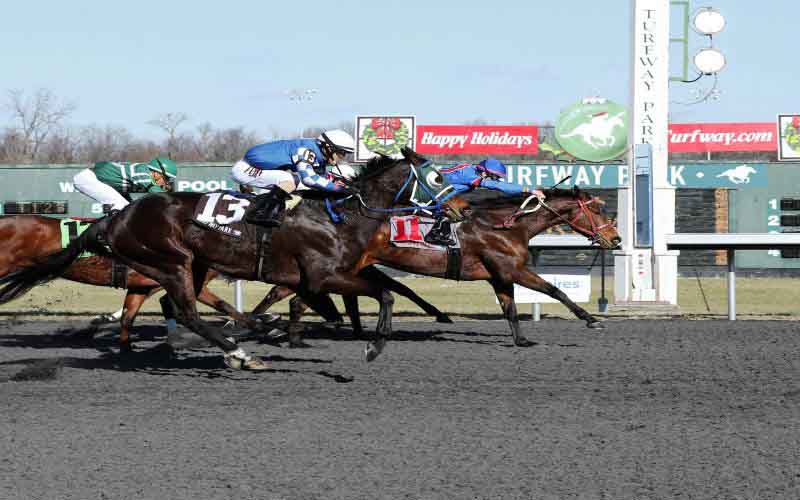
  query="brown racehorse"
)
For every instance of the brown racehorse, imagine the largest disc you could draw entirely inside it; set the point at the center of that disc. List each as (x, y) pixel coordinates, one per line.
(494, 246)
(155, 235)
(26, 239)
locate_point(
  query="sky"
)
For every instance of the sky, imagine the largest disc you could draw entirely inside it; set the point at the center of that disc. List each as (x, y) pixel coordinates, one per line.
(232, 63)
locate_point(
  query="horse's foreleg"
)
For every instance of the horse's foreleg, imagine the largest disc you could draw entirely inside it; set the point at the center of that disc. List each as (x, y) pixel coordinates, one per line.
(375, 275)
(531, 280)
(276, 294)
(130, 308)
(505, 294)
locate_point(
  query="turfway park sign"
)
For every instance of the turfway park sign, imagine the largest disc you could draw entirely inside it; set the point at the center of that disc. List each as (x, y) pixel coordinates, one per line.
(610, 176)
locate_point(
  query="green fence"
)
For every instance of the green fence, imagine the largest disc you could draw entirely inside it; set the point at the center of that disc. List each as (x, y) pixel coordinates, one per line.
(760, 201)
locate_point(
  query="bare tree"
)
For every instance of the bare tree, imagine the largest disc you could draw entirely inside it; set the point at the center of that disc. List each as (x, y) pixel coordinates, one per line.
(35, 118)
(169, 123)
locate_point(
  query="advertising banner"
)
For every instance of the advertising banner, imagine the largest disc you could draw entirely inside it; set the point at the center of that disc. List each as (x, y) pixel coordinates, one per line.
(789, 144)
(711, 137)
(478, 139)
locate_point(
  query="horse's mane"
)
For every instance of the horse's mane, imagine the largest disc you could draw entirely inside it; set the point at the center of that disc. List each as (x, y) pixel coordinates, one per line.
(374, 167)
(488, 199)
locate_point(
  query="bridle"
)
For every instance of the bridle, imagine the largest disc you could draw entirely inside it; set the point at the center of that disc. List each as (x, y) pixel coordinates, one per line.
(592, 232)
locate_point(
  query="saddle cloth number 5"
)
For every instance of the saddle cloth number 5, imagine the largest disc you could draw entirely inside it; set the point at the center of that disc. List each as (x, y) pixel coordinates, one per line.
(223, 209)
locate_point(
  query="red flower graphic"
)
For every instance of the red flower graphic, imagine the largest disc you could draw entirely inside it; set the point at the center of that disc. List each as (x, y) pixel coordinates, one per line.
(384, 127)
(796, 122)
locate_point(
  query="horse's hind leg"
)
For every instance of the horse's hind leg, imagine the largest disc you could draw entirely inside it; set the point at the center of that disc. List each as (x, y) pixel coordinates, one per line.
(505, 294)
(377, 276)
(130, 308)
(533, 281)
(384, 329)
(276, 294)
(351, 306)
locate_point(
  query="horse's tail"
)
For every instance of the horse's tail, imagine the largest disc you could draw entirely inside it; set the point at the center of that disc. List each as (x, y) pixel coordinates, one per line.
(48, 268)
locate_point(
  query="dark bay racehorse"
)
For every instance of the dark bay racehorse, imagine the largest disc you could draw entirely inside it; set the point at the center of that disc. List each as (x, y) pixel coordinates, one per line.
(496, 253)
(27, 239)
(155, 236)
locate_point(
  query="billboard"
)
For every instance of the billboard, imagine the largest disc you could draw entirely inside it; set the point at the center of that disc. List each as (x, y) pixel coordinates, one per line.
(478, 139)
(384, 135)
(712, 137)
(789, 131)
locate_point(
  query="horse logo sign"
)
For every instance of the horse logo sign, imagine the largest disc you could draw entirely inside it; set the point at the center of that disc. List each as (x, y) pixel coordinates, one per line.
(739, 175)
(593, 130)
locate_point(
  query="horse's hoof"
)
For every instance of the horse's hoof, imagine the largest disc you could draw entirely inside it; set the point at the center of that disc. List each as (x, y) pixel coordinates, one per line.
(178, 340)
(332, 325)
(373, 349)
(249, 363)
(276, 335)
(523, 342)
(268, 317)
(103, 319)
(443, 318)
(126, 348)
(596, 325)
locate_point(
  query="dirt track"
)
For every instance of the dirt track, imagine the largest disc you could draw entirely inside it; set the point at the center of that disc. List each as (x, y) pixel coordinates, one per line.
(642, 410)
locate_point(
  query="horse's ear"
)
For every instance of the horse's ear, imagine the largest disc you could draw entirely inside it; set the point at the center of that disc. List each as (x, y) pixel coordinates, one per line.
(411, 155)
(576, 191)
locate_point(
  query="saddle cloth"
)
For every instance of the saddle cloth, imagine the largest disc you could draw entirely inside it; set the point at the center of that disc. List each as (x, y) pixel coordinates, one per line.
(71, 229)
(409, 231)
(222, 211)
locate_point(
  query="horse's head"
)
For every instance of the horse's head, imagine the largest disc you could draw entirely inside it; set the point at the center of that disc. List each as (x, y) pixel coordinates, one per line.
(380, 182)
(585, 214)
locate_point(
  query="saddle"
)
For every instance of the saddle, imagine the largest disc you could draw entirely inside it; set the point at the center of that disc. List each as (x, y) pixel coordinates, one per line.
(410, 231)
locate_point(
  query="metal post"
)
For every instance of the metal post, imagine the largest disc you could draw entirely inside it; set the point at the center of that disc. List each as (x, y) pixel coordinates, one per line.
(238, 301)
(731, 284)
(536, 311)
(602, 302)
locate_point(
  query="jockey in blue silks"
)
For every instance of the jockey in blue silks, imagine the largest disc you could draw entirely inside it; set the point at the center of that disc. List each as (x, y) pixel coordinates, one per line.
(466, 177)
(290, 165)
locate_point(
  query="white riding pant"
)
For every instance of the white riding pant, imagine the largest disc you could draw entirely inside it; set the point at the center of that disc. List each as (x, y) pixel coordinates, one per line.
(87, 183)
(244, 174)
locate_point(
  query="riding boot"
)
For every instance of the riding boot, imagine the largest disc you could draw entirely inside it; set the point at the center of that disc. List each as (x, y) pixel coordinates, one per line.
(440, 233)
(267, 209)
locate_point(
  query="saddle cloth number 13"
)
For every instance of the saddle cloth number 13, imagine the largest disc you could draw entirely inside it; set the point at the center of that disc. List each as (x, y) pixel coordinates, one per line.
(223, 209)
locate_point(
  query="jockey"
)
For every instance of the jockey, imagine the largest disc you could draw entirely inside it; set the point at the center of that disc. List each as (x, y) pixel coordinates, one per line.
(110, 182)
(290, 165)
(466, 177)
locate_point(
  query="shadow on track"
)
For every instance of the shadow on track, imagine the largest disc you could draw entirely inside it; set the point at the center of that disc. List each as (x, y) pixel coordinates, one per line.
(159, 360)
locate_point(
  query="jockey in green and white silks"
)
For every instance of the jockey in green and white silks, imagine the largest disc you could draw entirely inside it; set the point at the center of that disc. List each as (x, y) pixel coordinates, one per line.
(110, 182)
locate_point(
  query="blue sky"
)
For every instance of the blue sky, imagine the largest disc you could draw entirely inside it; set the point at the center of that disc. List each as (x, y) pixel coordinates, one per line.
(230, 63)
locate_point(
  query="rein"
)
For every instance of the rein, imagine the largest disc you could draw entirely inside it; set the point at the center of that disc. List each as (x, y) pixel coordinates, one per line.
(593, 233)
(412, 175)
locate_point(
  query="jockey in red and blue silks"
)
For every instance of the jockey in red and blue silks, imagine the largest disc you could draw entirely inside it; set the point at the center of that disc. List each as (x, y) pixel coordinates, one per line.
(464, 178)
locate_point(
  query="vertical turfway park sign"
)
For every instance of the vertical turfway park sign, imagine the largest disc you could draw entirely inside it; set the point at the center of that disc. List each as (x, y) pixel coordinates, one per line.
(385, 135)
(478, 139)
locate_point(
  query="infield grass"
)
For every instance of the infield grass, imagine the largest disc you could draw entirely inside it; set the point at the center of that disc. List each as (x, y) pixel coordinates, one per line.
(770, 298)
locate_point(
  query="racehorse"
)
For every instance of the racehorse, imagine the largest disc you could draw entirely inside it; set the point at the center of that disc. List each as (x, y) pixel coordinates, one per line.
(494, 247)
(156, 236)
(26, 239)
